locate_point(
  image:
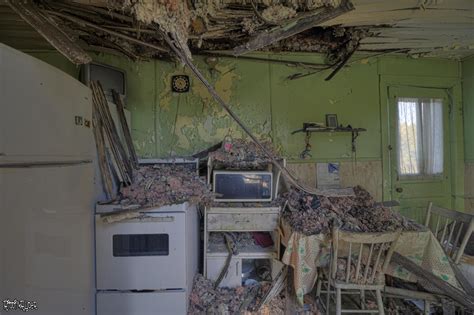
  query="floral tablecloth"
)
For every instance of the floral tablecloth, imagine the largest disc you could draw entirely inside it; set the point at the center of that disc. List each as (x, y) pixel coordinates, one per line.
(306, 253)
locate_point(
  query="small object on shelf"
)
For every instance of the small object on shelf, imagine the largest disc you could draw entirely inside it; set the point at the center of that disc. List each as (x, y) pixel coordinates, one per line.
(331, 121)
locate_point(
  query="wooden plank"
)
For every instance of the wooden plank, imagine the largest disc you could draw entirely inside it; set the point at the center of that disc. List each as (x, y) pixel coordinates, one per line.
(30, 13)
(125, 129)
(292, 28)
(454, 293)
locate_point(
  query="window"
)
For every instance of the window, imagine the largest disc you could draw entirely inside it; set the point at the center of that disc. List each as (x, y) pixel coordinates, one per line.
(420, 136)
(125, 245)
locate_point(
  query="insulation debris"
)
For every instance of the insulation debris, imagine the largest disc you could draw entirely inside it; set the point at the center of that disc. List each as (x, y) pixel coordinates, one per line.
(311, 214)
(165, 184)
(244, 241)
(172, 16)
(277, 13)
(241, 154)
(204, 299)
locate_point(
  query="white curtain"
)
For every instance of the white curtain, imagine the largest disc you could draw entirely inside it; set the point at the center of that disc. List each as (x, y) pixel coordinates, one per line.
(432, 129)
(420, 136)
(409, 140)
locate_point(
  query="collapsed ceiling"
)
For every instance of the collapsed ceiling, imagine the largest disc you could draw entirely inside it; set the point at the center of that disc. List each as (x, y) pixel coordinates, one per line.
(336, 28)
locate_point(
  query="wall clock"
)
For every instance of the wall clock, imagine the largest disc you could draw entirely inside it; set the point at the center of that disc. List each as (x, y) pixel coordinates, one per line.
(180, 83)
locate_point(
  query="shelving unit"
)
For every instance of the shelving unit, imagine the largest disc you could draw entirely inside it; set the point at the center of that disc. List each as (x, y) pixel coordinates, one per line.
(308, 130)
(225, 217)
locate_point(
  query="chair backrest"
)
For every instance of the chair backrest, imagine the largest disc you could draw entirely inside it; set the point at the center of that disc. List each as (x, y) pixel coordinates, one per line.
(361, 258)
(447, 226)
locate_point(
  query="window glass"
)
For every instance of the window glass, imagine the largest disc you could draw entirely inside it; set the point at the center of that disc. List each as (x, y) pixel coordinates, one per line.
(140, 245)
(420, 136)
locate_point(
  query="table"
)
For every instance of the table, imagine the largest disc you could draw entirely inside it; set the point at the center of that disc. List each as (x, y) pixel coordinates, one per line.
(306, 253)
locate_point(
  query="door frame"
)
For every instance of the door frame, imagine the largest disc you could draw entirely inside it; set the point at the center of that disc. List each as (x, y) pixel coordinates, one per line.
(452, 87)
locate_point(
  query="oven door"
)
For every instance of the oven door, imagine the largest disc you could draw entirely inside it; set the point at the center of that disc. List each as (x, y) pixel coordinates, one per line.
(147, 253)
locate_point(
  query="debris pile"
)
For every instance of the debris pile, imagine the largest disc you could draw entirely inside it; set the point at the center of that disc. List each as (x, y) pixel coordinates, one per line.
(311, 214)
(241, 154)
(277, 13)
(166, 184)
(243, 241)
(204, 299)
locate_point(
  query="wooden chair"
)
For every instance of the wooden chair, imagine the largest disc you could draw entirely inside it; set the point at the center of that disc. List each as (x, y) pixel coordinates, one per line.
(368, 255)
(448, 229)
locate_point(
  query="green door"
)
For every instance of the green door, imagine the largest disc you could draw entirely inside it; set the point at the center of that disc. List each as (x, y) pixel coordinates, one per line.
(419, 149)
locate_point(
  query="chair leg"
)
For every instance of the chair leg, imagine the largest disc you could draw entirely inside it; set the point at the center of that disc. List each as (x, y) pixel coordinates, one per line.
(379, 302)
(328, 297)
(362, 299)
(318, 287)
(426, 310)
(338, 301)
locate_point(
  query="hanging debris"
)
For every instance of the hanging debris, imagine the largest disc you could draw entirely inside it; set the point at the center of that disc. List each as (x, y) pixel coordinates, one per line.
(311, 214)
(172, 16)
(242, 154)
(165, 184)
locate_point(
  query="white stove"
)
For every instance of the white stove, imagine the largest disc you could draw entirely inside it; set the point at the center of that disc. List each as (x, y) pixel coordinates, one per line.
(146, 265)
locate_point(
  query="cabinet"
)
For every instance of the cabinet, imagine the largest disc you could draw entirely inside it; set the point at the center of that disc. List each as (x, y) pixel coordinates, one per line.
(239, 219)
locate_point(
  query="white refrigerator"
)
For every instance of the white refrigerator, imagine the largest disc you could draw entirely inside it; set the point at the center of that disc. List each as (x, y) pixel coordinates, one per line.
(47, 189)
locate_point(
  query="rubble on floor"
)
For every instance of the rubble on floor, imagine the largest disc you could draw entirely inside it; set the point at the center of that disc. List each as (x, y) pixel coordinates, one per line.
(243, 241)
(242, 154)
(166, 184)
(311, 214)
(204, 299)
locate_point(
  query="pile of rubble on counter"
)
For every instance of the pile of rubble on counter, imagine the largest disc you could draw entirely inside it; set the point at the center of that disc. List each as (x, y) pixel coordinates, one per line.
(241, 154)
(311, 214)
(166, 184)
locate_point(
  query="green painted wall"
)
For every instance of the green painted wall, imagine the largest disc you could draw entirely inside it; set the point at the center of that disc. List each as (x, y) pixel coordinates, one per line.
(468, 100)
(166, 124)
(467, 68)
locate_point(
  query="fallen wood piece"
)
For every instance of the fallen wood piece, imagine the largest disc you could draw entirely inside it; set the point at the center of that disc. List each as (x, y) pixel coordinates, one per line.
(294, 27)
(462, 279)
(452, 292)
(125, 129)
(106, 174)
(341, 64)
(55, 36)
(412, 294)
(120, 159)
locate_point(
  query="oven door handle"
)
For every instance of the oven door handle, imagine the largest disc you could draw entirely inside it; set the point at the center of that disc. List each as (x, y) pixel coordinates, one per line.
(150, 218)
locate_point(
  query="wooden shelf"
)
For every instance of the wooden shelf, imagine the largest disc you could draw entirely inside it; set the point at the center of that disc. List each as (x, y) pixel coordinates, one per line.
(339, 129)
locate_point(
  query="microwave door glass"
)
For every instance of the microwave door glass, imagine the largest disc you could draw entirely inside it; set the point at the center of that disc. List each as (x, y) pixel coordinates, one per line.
(125, 245)
(241, 186)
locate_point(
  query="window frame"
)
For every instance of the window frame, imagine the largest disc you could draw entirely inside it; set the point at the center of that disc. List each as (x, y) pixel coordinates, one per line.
(421, 176)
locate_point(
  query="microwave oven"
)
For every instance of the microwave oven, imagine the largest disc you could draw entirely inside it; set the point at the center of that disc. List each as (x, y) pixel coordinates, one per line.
(243, 186)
